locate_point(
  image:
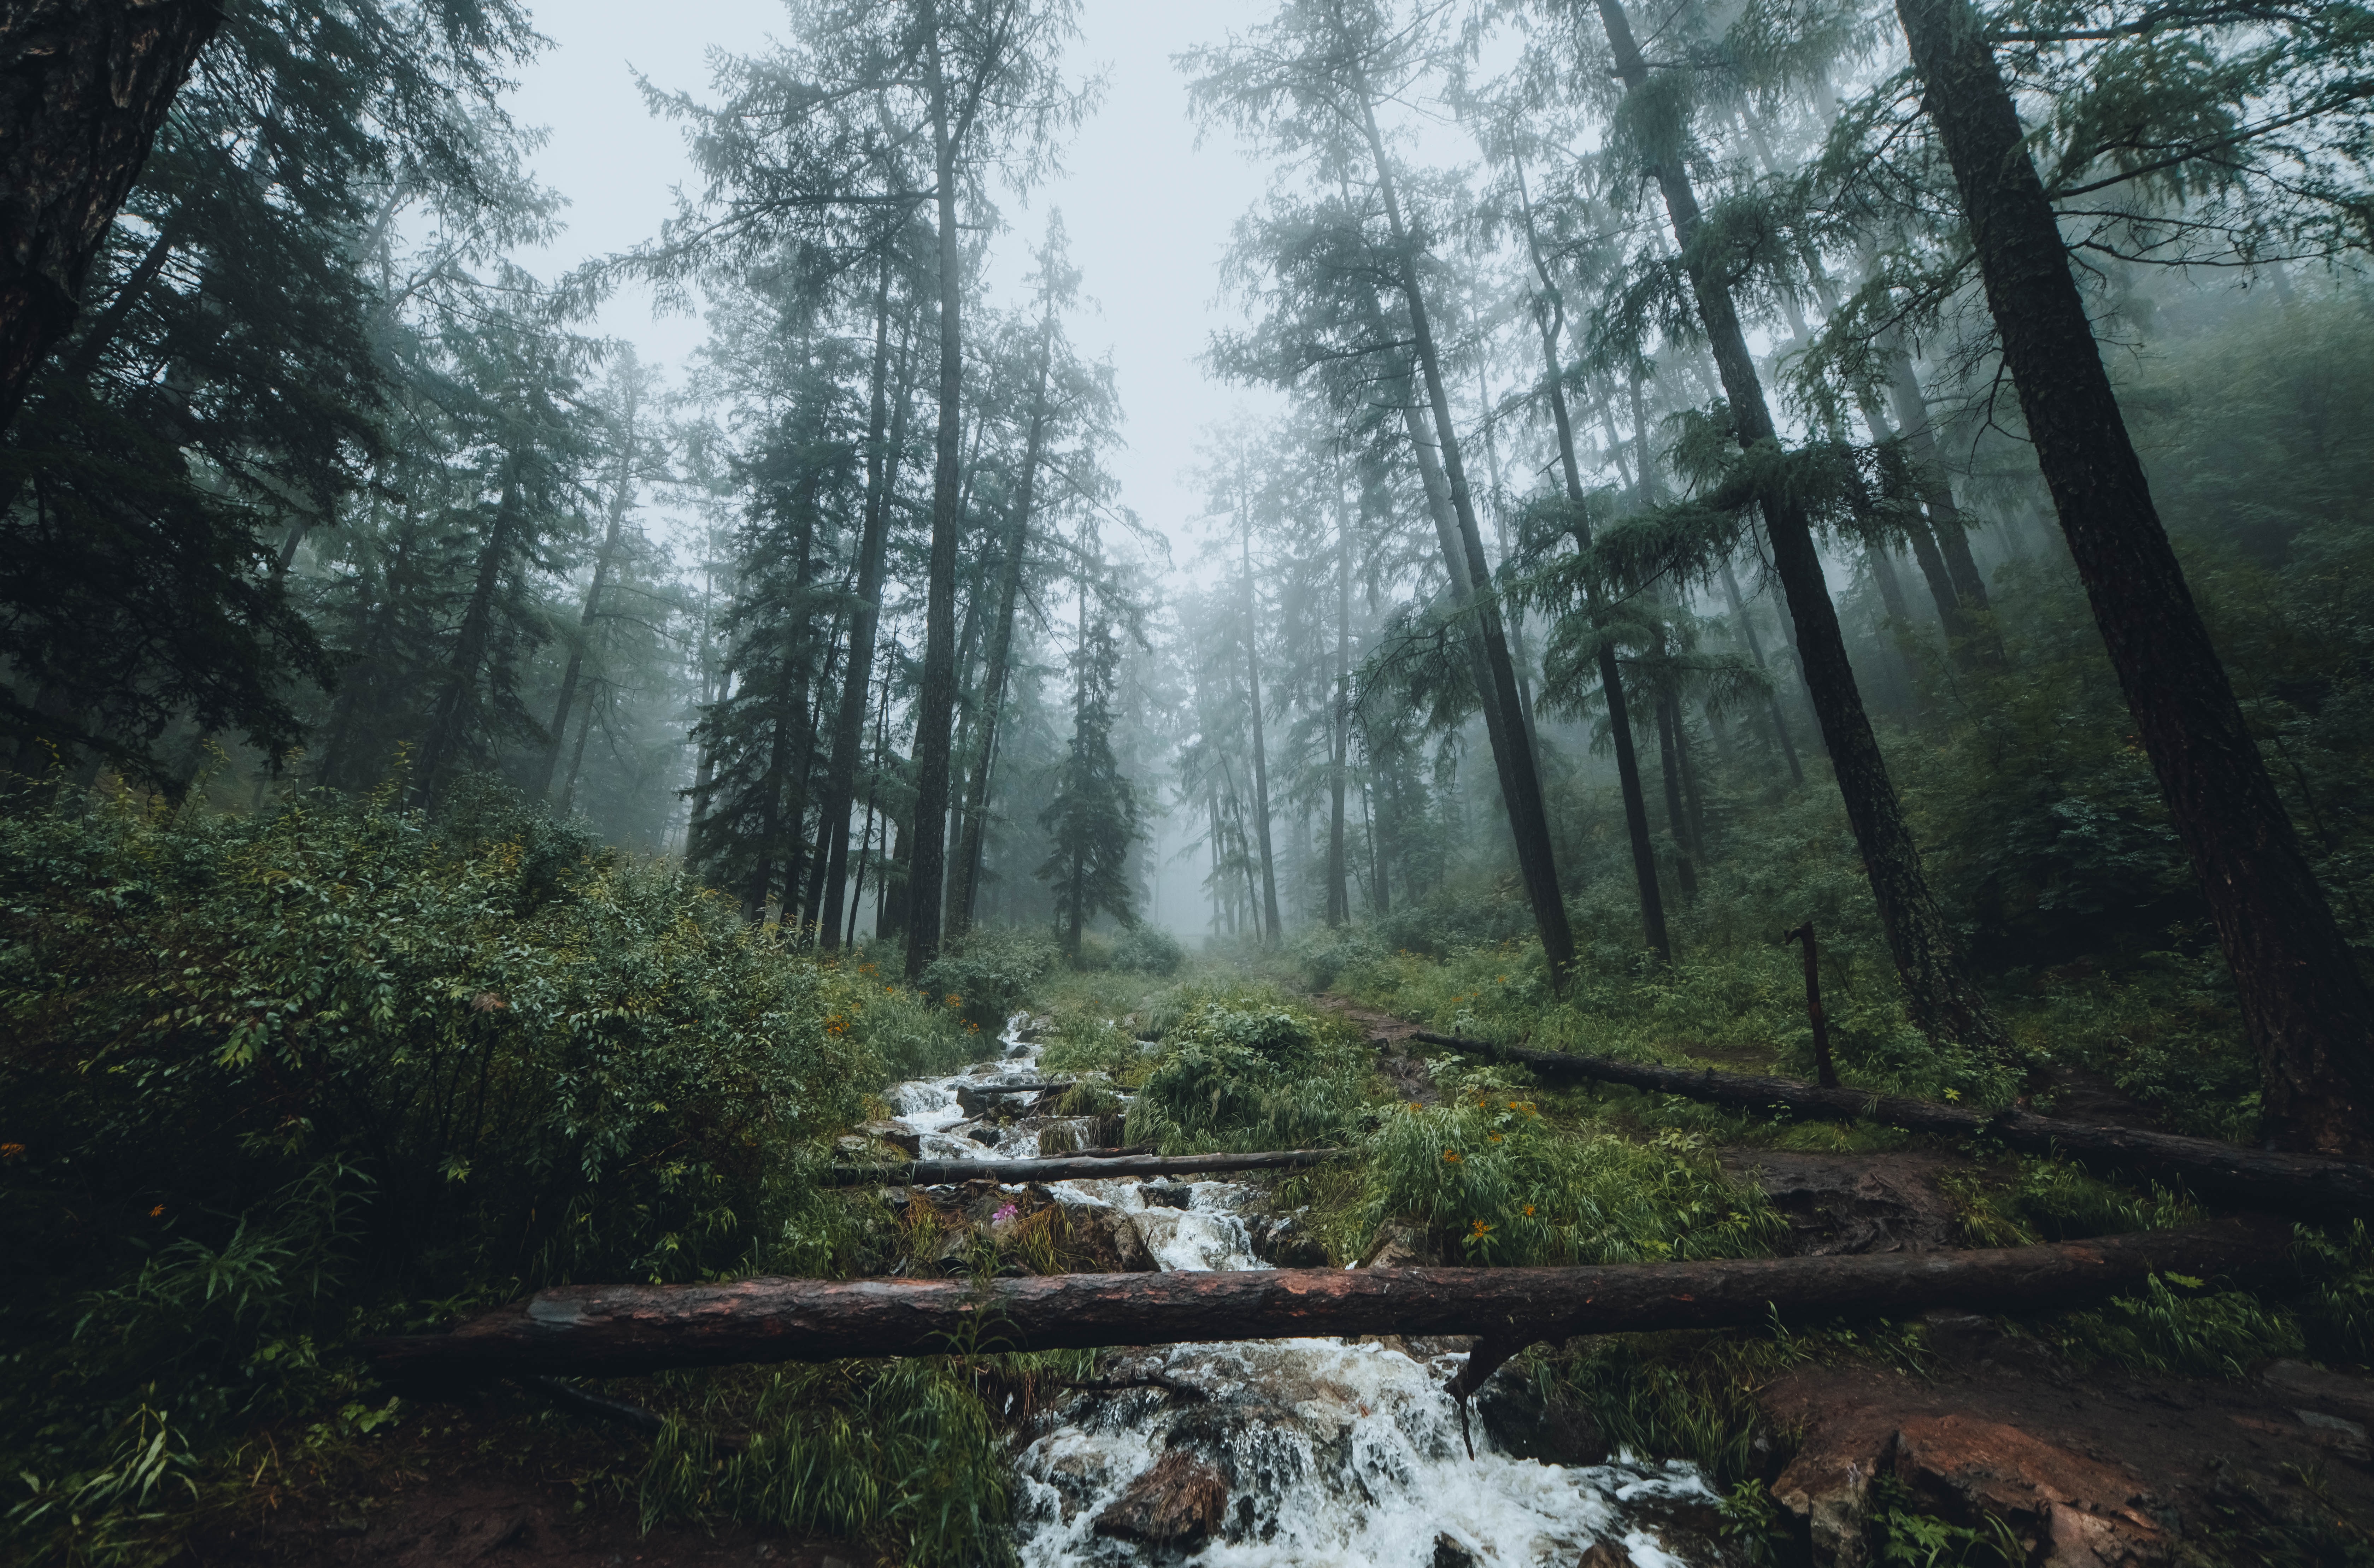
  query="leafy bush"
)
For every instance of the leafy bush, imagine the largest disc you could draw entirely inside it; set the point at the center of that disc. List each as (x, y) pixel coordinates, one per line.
(1485, 1171)
(1145, 949)
(1245, 1073)
(264, 1082)
(987, 974)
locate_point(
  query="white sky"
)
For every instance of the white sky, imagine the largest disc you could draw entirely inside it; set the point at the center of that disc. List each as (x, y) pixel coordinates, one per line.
(1148, 213)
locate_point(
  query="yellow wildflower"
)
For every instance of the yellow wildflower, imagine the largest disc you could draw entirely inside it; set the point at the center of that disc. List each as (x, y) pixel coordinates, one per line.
(1450, 1156)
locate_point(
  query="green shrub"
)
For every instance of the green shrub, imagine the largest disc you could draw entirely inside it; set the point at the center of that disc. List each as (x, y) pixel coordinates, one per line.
(1148, 950)
(1486, 1175)
(1244, 1073)
(987, 974)
(266, 1082)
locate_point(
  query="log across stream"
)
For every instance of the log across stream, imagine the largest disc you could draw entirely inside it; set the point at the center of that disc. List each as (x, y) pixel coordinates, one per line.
(1258, 1411)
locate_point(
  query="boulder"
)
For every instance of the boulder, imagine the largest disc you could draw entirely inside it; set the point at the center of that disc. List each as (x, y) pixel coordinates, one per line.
(1284, 1242)
(1181, 1500)
(2066, 1510)
(1399, 1244)
(899, 1136)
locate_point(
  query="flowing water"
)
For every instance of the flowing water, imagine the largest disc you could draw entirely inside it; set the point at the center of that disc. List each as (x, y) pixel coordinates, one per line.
(1330, 1453)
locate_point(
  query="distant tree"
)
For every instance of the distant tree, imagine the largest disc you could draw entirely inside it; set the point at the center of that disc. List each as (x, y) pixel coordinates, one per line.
(1093, 818)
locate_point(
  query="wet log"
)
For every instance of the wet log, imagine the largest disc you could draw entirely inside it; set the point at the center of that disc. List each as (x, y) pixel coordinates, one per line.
(1068, 1167)
(2293, 1184)
(614, 1330)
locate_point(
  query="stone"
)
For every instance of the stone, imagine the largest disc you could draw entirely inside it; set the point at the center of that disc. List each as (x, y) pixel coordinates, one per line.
(1169, 1192)
(904, 1139)
(2335, 1393)
(1845, 1204)
(1528, 1424)
(1449, 1554)
(1285, 1243)
(1965, 1470)
(1181, 1500)
(1827, 1486)
(1399, 1244)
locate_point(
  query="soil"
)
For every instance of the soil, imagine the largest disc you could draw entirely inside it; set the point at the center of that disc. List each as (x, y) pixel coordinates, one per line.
(2085, 1466)
(500, 1483)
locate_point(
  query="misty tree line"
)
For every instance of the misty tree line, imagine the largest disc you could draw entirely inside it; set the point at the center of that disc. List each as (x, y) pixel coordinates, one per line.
(1709, 304)
(1641, 197)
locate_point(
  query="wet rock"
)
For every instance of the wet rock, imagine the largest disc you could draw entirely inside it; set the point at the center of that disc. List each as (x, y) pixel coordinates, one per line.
(1449, 1554)
(1104, 1240)
(2332, 1393)
(1283, 1242)
(904, 1139)
(2069, 1511)
(1843, 1204)
(1528, 1423)
(1181, 1500)
(1168, 1193)
(1399, 1244)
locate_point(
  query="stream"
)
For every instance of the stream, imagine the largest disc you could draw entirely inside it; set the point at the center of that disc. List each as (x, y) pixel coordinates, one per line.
(1304, 1452)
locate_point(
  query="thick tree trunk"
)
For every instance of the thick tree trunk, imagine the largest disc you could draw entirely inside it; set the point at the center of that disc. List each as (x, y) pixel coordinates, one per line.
(1339, 881)
(1552, 324)
(85, 85)
(1512, 745)
(1943, 1002)
(865, 617)
(2305, 1004)
(620, 498)
(935, 704)
(1273, 932)
(621, 1330)
(2306, 1184)
(1013, 552)
(457, 699)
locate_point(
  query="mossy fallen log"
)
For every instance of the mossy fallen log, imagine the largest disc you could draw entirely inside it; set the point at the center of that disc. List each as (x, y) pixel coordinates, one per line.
(2295, 1184)
(614, 1330)
(1068, 1167)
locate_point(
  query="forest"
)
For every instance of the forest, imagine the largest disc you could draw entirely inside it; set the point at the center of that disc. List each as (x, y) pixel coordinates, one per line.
(1690, 896)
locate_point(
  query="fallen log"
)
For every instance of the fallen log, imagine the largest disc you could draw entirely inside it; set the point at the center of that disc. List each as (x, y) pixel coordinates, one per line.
(2298, 1184)
(1067, 1167)
(617, 1330)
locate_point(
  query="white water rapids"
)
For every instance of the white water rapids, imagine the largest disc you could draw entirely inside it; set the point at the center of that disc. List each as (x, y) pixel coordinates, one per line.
(1332, 1453)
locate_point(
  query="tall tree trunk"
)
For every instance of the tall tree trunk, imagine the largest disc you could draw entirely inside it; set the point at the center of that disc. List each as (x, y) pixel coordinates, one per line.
(1273, 931)
(1773, 715)
(1339, 887)
(1512, 746)
(873, 785)
(866, 614)
(1013, 552)
(1937, 493)
(2305, 1004)
(458, 697)
(85, 85)
(1669, 756)
(1940, 997)
(790, 707)
(576, 761)
(935, 704)
(1551, 320)
(622, 494)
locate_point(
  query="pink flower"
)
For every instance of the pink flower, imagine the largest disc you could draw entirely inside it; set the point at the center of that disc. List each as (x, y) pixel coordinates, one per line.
(1002, 1215)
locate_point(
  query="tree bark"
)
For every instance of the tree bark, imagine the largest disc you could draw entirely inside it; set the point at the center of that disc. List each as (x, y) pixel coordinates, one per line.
(621, 1330)
(1273, 931)
(455, 702)
(1012, 554)
(1339, 881)
(1756, 651)
(85, 85)
(1512, 745)
(619, 501)
(2306, 1184)
(866, 614)
(1940, 998)
(1070, 1167)
(935, 704)
(1551, 321)
(2305, 1003)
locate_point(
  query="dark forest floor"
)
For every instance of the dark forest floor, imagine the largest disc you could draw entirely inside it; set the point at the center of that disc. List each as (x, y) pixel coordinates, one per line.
(2097, 1467)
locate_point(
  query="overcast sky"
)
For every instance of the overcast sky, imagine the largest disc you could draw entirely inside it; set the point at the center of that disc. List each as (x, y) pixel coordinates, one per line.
(1147, 212)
